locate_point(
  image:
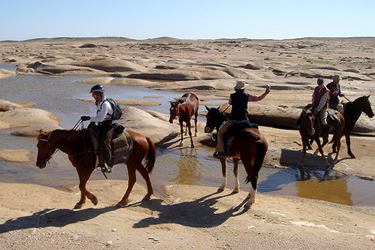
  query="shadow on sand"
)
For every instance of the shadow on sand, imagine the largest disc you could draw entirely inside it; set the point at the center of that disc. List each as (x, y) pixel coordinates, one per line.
(198, 213)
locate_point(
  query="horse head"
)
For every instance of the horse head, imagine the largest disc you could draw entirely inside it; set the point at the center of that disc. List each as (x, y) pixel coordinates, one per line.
(365, 105)
(45, 148)
(214, 119)
(173, 111)
(307, 121)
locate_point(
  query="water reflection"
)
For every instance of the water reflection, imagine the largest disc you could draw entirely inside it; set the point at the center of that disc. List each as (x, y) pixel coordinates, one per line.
(189, 167)
(324, 185)
(312, 183)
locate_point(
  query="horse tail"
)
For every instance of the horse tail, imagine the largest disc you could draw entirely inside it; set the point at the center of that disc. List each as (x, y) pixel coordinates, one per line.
(261, 146)
(151, 155)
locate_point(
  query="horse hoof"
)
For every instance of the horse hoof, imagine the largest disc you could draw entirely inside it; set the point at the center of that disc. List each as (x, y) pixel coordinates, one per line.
(94, 201)
(220, 189)
(146, 198)
(78, 206)
(235, 191)
(248, 205)
(120, 205)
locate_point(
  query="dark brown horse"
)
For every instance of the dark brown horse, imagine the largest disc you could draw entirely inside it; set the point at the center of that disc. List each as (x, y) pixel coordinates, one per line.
(310, 129)
(184, 109)
(78, 146)
(250, 146)
(352, 112)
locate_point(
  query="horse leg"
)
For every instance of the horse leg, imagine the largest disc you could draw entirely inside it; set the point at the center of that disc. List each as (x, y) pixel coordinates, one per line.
(84, 175)
(131, 182)
(347, 138)
(146, 176)
(253, 190)
(196, 123)
(251, 197)
(304, 145)
(320, 148)
(188, 125)
(182, 133)
(235, 172)
(334, 146)
(338, 143)
(224, 172)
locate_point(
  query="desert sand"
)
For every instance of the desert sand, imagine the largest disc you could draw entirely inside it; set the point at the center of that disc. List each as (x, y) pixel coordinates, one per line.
(193, 217)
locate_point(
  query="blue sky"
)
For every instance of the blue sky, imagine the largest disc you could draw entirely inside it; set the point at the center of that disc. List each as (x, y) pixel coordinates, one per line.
(190, 19)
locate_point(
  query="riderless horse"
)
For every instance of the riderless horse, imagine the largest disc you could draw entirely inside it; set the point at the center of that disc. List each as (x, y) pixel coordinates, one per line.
(352, 112)
(309, 129)
(184, 109)
(250, 146)
(78, 146)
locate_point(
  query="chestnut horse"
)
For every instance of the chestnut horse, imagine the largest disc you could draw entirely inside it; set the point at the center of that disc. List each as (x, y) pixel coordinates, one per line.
(309, 129)
(185, 108)
(78, 146)
(352, 112)
(250, 146)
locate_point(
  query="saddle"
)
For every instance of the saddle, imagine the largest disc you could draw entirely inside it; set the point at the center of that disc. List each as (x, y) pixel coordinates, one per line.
(234, 131)
(333, 118)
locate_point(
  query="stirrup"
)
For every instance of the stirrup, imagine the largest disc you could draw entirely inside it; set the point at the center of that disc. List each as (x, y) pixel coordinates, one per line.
(106, 169)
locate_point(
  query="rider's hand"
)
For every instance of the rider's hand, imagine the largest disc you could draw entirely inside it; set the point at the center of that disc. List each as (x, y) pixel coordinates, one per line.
(268, 89)
(85, 118)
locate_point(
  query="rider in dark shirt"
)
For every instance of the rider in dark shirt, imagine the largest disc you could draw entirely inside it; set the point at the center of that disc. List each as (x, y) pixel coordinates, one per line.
(239, 101)
(334, 87)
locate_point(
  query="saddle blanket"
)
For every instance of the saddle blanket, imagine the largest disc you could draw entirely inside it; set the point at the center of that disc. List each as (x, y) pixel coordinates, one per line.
(122, 148)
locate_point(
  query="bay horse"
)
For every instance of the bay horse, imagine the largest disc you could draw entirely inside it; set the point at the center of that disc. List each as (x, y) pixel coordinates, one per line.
(352, 112)
(250, 146)
(79, 148)
(310, 129)
(184, 109)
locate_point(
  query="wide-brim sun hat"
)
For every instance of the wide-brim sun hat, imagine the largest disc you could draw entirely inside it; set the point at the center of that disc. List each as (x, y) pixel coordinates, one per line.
(240, 85)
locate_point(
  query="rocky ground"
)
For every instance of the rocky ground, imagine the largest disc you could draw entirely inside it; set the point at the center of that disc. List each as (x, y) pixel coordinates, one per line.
(188, 217)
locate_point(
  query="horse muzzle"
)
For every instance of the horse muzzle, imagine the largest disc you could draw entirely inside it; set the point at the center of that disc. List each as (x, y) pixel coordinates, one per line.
(41, 164)
(207, 129)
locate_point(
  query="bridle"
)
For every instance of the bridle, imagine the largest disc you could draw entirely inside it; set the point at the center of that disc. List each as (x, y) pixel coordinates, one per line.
(215, 123)
(49, 156)
(46, 160)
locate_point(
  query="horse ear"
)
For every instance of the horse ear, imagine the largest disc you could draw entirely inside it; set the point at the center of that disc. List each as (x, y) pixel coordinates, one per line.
(368, 96)
(208, 109)
(41, 131)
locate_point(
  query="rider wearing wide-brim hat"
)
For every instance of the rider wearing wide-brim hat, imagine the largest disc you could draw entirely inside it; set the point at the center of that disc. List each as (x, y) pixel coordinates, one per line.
(101, 127)
(238, 100)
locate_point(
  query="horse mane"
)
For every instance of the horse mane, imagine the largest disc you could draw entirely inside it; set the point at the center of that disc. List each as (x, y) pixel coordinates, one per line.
(44, 133)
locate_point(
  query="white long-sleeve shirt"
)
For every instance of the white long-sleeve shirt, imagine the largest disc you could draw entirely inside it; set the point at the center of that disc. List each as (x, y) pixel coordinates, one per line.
(103, 112)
